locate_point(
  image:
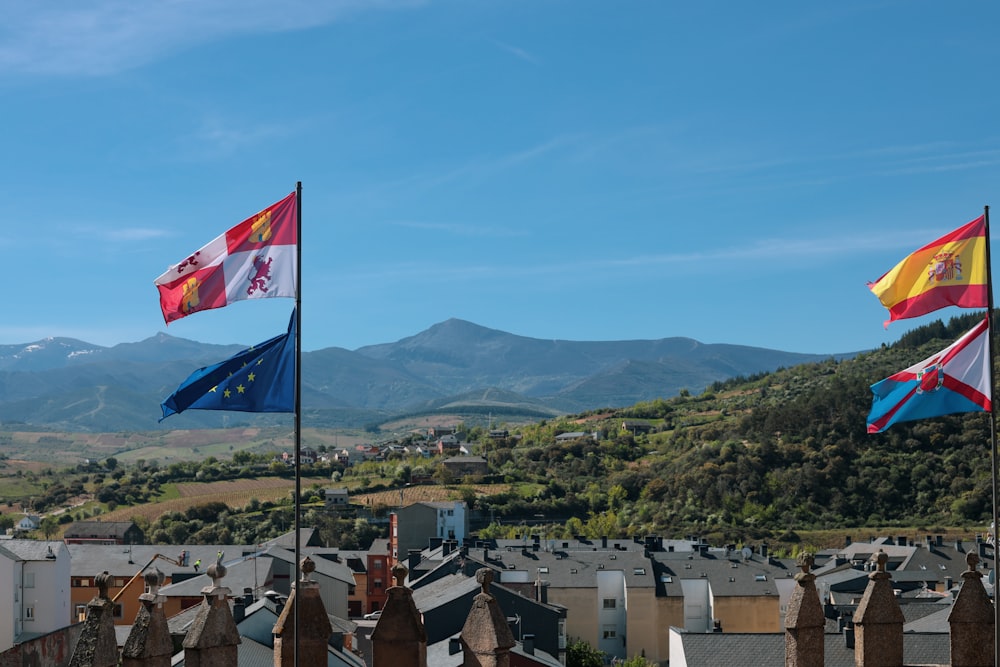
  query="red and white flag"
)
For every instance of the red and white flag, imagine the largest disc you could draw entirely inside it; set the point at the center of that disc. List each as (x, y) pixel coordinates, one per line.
(254, 260)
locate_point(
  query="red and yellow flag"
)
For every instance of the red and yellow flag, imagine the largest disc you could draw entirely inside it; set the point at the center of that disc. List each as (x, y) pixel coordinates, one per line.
(253, 260)
(950, 271)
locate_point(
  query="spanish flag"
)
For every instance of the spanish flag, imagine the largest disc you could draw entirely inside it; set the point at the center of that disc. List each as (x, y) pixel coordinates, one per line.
(950, 271)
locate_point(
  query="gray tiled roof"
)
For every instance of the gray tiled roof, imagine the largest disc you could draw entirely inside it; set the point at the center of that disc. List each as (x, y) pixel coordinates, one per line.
(252, 573)
(572, 569)
(126, 560)
(764, 650)
(32, 549)
(732, 576)
(87, 529)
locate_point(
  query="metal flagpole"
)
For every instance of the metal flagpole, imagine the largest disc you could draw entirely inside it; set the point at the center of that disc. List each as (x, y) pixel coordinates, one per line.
(993, 436)
(298, 402)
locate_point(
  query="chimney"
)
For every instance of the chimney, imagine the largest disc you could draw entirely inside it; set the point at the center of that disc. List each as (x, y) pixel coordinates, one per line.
(536, 539)
(604, 542)
(486, 554)
(542, 591)
(847, 541)
(849, 637)
(434, 542)
(446, 547)
(535, 545)
(412, 559)
(247, 596)
(901, 540)
(528, 644)
(454, 645)
(948, 583)
(939, 540)
(763, 550)
(239, 610)
(958, 545)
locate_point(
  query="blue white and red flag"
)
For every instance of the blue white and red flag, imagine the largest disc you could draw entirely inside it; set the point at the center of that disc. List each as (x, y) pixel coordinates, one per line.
(956, 379)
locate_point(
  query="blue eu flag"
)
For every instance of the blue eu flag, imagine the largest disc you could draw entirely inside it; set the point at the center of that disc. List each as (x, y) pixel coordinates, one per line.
(258, 379)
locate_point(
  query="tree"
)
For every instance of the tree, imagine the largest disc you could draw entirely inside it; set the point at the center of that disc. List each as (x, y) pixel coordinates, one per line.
(49, 526)
(581, 654)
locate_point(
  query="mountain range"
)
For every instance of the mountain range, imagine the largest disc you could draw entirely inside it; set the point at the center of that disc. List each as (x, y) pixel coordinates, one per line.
(453, 366)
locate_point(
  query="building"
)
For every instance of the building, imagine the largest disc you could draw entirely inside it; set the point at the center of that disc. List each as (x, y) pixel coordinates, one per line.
(466, 466)
(34, 589)
(103, 532)
(410, 527)
(336, 498)
(28, 523)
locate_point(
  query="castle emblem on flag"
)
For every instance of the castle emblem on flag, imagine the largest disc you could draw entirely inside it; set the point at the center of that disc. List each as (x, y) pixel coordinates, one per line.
(190, 300)
(260, 230)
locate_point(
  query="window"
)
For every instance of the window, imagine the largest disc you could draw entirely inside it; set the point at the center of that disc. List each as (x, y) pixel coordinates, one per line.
(610, 603)
(543, 570)
(29, 579)
(639, 571)
(451, 512)
(81, 612)
(29, 613)
(378, 584)
(378, 564)
(118, 611)
(610, 632)
(760, 577)
(119, 582)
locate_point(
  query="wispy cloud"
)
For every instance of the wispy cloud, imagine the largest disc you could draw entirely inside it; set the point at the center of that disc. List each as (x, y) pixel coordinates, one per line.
(459, 229)
(516, 51)
(102, 37)
(764, 253)
(222, 137)
(474, 168)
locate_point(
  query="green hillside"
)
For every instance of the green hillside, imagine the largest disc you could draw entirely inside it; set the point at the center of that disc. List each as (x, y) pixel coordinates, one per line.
(779, 451)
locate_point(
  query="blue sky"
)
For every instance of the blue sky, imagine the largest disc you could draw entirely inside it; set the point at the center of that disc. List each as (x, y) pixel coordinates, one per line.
(732, 172)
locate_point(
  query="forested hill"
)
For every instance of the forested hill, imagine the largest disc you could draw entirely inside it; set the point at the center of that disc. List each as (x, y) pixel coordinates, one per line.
(773, 452)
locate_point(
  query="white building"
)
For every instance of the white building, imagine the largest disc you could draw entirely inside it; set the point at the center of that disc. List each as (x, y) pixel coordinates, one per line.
(34, 589)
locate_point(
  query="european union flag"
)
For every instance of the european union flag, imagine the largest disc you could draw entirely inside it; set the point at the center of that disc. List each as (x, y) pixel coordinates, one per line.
(258, 379)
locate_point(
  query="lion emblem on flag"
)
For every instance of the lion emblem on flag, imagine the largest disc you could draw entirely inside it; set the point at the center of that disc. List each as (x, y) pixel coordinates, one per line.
(260, 275)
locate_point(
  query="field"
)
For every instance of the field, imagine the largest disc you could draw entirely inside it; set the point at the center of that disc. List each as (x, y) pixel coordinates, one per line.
(72, 448)
(421, 494)
(234, 493)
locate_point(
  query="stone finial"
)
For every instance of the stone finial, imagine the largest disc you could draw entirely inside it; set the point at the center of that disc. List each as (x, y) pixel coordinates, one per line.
(971, 620)
(216, 571)
(103, 581)
(805, 561)
(804, 620)
(486, 637)
(307, 566)
(880, 558)
(154, 579)
(485, 577)
(399, 573)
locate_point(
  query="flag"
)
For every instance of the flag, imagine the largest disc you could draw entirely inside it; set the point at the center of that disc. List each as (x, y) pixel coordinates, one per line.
(253, 260)
(950, 271)
(258, 379)
(956, 379)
